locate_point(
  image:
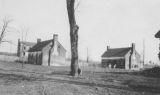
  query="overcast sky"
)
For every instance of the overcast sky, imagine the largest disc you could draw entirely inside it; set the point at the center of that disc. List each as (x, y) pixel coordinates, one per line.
(116, 23)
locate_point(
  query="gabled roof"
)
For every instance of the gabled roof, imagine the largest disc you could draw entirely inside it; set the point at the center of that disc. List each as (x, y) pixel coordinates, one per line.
(61, 46)
(157, 35)
(28, 43)
(116, 52)
(39, 46)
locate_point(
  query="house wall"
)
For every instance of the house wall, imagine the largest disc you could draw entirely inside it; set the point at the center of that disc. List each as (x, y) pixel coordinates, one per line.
(135, 61)
(127, 60)
(20, 53)
(35, 58)
(104, 62)
(57, 55)
(55, 60)
(120, 63)
(45, 58)
(113, 63)
(61, 52)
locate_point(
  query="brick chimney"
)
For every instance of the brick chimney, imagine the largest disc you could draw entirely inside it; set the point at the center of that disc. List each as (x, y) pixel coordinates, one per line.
(55, 37)
(55, 44)
(133, 46)
(38, 40)
(18, 48)
(108, 47)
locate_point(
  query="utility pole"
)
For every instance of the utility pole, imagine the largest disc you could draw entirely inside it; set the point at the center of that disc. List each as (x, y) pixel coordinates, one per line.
(143, 51)
(87, 56)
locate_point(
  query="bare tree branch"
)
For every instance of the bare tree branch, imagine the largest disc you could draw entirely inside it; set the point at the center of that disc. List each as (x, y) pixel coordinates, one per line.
(24, 32)
(77, 5)
(5, 22)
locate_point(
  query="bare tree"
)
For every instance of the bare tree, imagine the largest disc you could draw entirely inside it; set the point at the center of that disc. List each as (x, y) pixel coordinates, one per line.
(73, 36)
(23, 31)
(4, 30)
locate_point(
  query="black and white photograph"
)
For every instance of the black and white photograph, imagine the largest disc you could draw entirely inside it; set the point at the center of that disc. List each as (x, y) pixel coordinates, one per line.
(79, 47)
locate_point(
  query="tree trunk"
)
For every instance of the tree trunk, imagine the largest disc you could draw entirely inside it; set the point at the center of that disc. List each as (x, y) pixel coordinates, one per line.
(73, 37)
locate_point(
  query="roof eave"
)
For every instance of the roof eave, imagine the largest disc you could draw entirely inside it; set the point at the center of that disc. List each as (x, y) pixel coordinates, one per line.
(157, 35)
(35, 51)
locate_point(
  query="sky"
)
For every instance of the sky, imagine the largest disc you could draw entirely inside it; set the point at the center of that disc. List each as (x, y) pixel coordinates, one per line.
(114, 23)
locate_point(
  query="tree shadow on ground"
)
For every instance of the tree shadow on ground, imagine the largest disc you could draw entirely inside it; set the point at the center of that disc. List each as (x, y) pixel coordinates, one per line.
(63, 73)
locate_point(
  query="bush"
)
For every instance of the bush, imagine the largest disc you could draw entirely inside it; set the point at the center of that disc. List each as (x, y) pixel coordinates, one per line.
(152, 72)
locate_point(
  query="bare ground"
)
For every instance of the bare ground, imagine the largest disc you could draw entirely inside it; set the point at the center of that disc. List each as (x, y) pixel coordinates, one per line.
(41, 80)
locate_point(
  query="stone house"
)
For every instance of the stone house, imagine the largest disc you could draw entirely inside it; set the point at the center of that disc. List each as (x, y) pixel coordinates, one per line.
(124, 58)
(22, 49)
(47, 52)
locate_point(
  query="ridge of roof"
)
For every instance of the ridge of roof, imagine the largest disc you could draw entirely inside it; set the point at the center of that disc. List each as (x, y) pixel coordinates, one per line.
(116, 52)
(157, 35)
(39, 46)
(28, 43)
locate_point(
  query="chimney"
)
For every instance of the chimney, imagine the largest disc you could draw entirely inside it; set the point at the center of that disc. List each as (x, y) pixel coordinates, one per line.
(55, 44)
(108, 47)
(18, 40)
(133, 46)
(18, 48)
(38, 40)
(55, 37)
